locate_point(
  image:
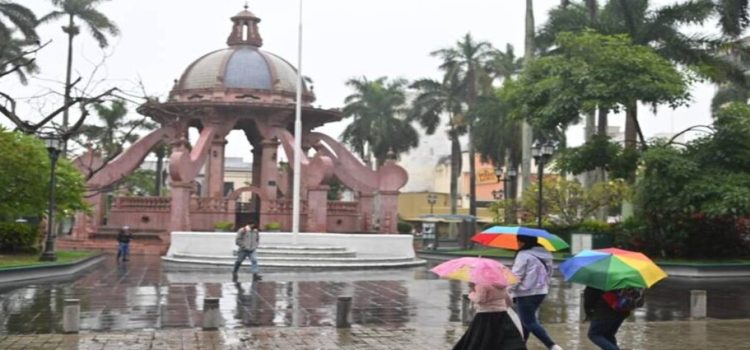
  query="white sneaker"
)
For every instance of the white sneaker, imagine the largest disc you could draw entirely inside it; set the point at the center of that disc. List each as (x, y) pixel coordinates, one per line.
(555, 347)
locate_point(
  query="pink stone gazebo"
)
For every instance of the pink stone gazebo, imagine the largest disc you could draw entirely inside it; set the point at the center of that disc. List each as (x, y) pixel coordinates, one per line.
(242, 87)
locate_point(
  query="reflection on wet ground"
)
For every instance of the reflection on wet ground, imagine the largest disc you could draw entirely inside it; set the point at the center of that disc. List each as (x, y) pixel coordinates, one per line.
(142, 295)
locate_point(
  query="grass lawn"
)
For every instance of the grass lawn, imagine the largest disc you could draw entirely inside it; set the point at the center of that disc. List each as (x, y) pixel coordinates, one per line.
(25, 260)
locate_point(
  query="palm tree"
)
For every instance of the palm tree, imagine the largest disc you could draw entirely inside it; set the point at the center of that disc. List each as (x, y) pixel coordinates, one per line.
(433, 101)
(733, 20)
(13, 57)
(733, 17)
(378, 125)
(466, 64)
(21, 18)
(504, 64)
(112, 136)
(97, 23)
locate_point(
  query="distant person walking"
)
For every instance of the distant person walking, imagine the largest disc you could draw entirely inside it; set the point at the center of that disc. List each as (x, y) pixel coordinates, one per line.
(247, 241)
(491, 328)
(607, 311)
(123, 239)
(533, 266)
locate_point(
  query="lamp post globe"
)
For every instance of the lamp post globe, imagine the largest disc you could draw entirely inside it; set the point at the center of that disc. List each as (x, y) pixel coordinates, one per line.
(54, 147)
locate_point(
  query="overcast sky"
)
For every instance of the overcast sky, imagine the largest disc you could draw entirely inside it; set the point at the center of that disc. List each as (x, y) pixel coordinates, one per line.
(342, 39)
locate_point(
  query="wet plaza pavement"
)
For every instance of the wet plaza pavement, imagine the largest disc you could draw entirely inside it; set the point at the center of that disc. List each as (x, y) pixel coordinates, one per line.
(143, 303)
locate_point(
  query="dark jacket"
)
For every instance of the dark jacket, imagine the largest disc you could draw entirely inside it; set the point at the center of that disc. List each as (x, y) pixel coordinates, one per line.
(124, 237)
(596, 307)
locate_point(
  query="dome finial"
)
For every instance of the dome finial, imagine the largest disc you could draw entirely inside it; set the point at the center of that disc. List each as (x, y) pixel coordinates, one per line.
(245, 29)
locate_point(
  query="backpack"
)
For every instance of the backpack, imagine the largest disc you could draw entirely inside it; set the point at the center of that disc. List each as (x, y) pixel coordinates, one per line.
(624, 300)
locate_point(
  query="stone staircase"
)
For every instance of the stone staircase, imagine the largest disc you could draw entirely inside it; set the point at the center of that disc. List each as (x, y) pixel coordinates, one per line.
(298, 257)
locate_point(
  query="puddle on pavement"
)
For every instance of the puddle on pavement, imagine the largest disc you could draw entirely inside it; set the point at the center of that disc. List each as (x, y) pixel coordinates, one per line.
(143, 295)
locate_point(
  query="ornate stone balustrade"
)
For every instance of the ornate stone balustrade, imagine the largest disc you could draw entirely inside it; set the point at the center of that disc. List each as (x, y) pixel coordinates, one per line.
(209, 204)
(282, 206)
(343, 208)
(142, 203)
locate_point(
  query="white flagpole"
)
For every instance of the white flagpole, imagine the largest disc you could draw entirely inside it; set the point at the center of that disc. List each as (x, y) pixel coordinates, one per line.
(297, 138)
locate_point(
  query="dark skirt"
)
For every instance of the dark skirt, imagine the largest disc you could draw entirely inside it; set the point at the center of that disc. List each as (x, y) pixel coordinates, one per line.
(491, 331)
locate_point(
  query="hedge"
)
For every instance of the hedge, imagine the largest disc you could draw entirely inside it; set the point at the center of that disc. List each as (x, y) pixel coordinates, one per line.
(19, 237)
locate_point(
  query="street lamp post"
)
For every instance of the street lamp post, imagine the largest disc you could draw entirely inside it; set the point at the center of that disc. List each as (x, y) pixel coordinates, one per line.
(509, 178)
(432, 199)
(54, 147)
(541, 152)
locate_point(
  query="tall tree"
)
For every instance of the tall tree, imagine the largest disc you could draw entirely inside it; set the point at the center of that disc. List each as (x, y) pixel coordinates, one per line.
(434, 100)
(591, 69)
(378, 118)
(526, 131)
(466, 62)
(97, 23)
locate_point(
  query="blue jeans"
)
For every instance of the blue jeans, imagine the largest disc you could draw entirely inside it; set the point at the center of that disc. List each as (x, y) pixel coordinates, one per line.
(123, 250)
(243, 254)
(527, 307)
(602, 333)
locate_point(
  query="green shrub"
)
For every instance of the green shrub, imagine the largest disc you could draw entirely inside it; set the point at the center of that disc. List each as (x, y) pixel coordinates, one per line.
(19, 237)
(404, 227)
(224, 225)
(273, 226)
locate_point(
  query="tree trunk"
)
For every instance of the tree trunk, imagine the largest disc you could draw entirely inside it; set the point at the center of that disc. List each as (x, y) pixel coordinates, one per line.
(455, 170)
(602, 123)
(66, 98)
(589, 176)
(631, 115)
(526, 131)
(472, 175)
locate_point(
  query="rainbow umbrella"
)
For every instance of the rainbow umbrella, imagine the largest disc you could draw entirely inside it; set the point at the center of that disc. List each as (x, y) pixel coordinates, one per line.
(476, 270)
(612, 268)
(505, 237)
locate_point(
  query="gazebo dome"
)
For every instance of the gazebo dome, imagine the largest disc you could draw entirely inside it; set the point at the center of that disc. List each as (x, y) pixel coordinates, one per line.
(242, 69)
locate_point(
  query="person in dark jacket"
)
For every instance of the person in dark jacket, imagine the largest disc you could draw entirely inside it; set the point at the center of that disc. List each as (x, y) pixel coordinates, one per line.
(123, 239)
(605, 321)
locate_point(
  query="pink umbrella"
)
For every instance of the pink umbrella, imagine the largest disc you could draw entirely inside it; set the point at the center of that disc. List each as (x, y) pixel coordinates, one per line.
(476, 270)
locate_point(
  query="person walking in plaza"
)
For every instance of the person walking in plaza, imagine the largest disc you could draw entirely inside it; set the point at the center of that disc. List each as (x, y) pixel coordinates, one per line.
(533, 266)
(123, 242)
(492, 327)
(247, 240)
(607, 311)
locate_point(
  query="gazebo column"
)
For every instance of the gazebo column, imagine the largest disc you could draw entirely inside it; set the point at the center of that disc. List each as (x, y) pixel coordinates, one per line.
(180, 213)
(317, 209)
(215, 168)
(388, 211)
(366, 206)
(257, 155)
(269, 174)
